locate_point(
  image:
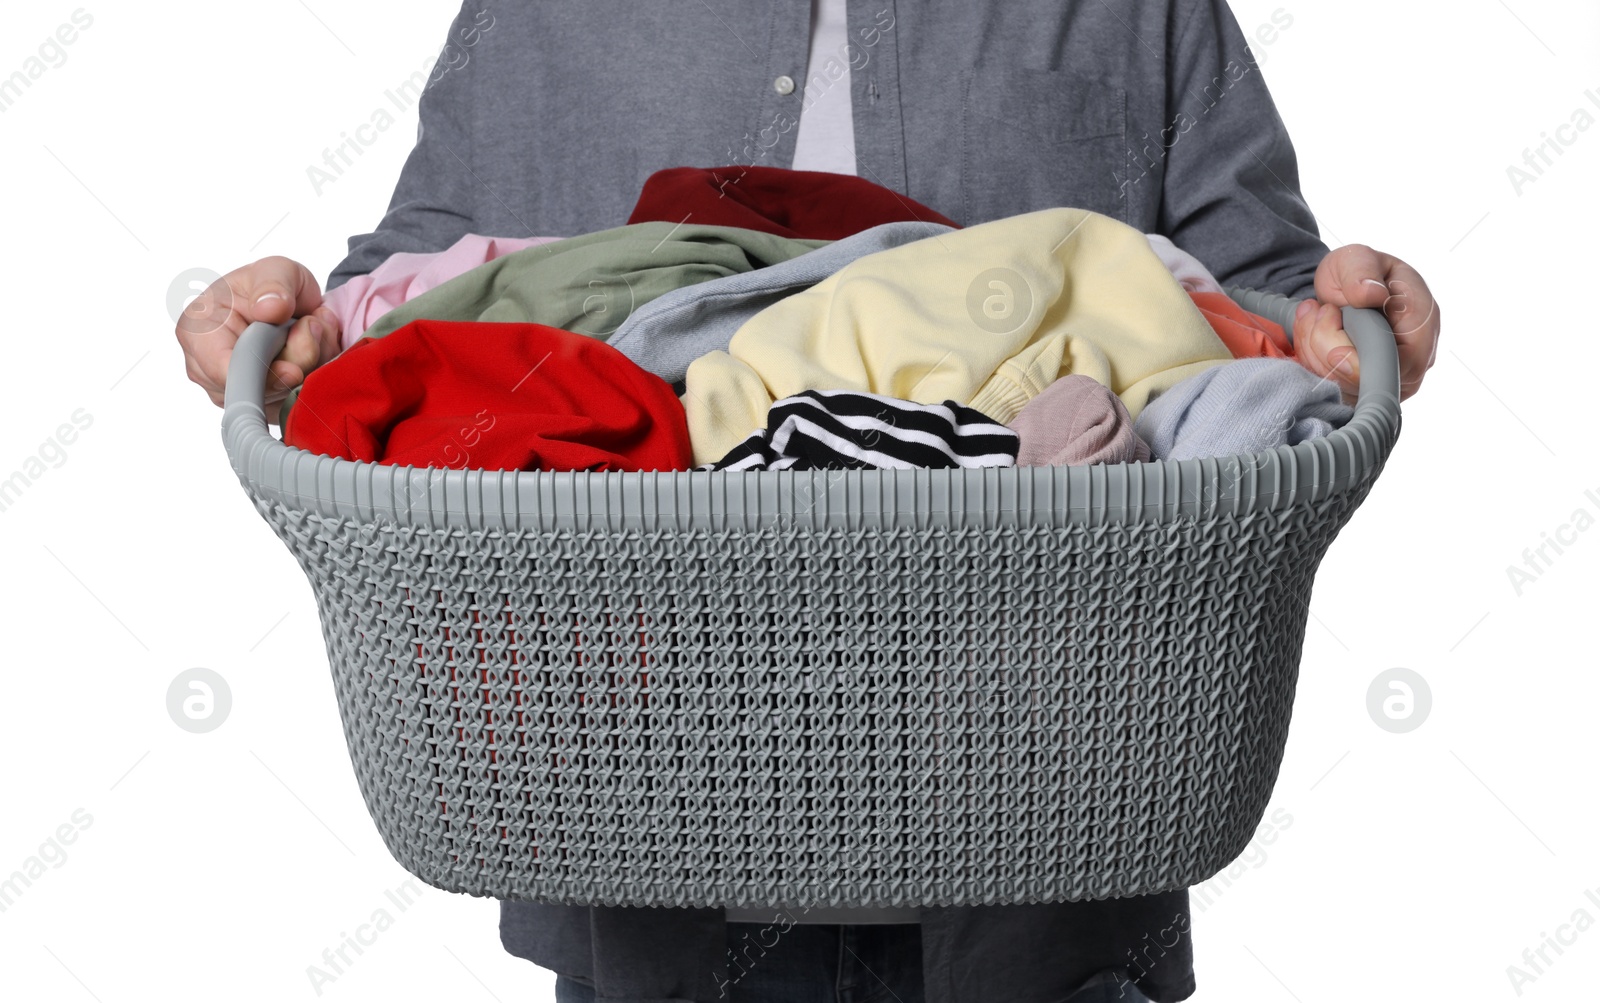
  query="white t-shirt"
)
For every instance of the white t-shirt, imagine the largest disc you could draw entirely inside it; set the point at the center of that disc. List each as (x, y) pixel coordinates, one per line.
(826, 140)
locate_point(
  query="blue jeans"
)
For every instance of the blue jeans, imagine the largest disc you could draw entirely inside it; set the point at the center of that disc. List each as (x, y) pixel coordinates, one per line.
(821, 963)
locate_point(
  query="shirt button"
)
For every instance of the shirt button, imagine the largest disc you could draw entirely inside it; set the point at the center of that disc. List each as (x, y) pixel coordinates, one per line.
(784, 85)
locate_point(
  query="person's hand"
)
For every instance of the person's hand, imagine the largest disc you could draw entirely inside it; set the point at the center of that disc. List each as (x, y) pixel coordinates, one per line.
(271, 290)
(1356, 275)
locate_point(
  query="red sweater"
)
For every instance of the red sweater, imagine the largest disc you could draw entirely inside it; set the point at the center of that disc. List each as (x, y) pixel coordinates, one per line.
(469, 394)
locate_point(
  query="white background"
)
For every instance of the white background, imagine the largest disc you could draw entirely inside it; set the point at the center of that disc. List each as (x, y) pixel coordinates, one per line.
(220, 866)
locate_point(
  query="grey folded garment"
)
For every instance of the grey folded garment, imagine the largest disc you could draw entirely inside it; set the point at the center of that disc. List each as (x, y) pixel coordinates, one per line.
(1241, 407)
(666, 334)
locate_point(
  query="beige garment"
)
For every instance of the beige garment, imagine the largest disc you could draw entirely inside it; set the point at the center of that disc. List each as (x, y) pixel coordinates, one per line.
(987, 316)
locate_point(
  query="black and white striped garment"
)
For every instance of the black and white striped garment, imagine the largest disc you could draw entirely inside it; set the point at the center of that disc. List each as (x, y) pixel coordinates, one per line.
(846, 429)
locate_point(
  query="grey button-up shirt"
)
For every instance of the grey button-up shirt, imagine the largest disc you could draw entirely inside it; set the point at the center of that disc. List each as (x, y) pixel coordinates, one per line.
(545, 119)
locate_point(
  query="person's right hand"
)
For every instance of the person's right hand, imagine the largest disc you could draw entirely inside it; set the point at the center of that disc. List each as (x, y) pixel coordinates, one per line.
(271, 290)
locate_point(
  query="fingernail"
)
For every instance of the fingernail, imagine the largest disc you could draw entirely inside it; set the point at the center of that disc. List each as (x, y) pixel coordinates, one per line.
(1305, 308)
(1374, 282)
(315, 327)
(264, 297)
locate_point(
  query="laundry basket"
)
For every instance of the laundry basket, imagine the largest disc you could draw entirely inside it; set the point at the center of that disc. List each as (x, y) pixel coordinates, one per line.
(865, 690)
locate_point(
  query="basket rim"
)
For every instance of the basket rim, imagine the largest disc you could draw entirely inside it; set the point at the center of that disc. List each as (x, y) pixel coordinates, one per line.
(1137, 492)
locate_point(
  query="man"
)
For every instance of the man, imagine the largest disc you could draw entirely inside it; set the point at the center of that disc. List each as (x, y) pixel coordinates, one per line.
(545, 118)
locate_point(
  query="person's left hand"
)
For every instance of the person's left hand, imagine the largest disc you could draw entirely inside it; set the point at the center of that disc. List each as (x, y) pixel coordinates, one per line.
(1356, 275)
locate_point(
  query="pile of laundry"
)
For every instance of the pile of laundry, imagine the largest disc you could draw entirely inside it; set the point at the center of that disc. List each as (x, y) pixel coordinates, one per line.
(766, 319)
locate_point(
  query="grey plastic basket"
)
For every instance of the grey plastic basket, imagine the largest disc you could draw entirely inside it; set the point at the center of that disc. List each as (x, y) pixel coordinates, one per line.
(849, 692)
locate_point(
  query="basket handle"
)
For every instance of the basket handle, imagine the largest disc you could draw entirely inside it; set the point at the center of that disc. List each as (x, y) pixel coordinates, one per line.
(1369, 332)
(248, 366)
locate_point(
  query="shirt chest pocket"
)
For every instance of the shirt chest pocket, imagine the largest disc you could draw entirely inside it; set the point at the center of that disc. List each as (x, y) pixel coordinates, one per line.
(1036, 139)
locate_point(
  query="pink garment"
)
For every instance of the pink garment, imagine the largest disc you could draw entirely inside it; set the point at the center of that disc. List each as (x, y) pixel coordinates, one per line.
(365, 298)
(1076, 422)
(1185, 267)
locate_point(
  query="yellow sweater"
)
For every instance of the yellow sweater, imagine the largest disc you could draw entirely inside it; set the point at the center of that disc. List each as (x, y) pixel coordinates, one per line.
(987, 316)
